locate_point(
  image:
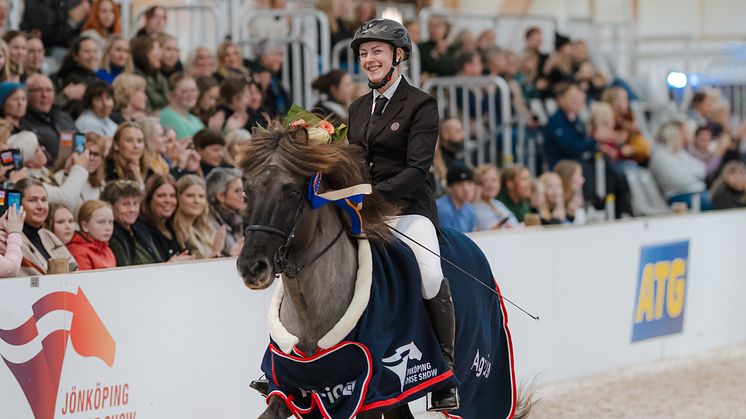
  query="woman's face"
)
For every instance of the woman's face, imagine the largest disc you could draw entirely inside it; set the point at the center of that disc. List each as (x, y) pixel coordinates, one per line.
(621, 104)
(15, 105)
(159, 139)
(139, 101)
(204, 63)
(170, 55)
(343, 92)
(490, 185)
(170, 144)
(736, 179)
(553, 190)
(163, 203)
(39, 160)
(185, 94)
(106, 15)
(119, 53)
(210, 98)
(101, 225)
(34, 201)
(192, 201)
(87, 57)
(376, 59)
(232, 58)
(126, 210)
(241, 101)
(17, 50)
(578, 180)
(154, 56)
(63, 225)
(157, 22)
(233, 197)
(256, 98)
(131, 144)
(94, 156)
(2, 59)
(103, 105)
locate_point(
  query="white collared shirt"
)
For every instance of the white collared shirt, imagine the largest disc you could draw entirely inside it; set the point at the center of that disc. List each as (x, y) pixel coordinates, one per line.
(389, 93)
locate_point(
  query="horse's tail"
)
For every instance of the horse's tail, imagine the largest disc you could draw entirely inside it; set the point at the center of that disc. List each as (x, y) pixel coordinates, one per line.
(524, 403)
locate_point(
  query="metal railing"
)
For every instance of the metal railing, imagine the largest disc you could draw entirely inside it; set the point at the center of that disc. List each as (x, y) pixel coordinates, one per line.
(481, 129)
(342, 54)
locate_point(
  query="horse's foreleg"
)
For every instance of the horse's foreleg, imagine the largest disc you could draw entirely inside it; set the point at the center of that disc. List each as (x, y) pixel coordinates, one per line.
(276, 409)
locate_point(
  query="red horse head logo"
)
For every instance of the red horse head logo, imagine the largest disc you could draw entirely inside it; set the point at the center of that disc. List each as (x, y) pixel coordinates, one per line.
(39, 377)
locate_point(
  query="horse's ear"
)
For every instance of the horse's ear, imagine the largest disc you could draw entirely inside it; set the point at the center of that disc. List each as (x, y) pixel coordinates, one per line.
(300, 135)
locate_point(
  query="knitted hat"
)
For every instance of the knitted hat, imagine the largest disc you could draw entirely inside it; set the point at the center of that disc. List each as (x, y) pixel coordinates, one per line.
(207, 137)
(459, 173)
(25, 141)
(7, 88)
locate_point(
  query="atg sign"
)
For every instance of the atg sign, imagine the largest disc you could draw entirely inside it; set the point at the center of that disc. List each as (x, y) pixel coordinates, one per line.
(661, 290)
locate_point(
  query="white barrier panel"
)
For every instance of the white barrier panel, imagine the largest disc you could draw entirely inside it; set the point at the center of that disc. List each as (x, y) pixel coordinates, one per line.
(184, 340)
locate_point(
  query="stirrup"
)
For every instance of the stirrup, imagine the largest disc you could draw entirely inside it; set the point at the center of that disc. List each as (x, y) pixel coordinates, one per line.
(447, 399)
(261, 385)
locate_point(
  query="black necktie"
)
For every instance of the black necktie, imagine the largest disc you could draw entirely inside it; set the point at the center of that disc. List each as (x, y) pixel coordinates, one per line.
(375, 119)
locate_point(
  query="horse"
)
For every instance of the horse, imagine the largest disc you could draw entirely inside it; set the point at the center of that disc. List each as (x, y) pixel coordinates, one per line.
(312, 249)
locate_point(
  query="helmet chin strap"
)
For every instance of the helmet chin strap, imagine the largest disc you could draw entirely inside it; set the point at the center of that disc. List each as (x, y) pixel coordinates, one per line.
(387, 78)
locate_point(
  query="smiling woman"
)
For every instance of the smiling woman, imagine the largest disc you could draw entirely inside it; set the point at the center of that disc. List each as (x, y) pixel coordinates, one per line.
(191, 223)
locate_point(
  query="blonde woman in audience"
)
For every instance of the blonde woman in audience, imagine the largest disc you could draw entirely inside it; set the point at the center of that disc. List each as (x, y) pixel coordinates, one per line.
(201, 62)
(635, 146)
(116, 60)
(39, 244)
(35, 160)
(126, 159)
(61, 222)
(729, 189)
(234, 142)
(91, 189)
(491, 213)
(155, 145)
(170, 63)
(90, 246)
(191, 221)
(5, 64)
(230, 62)
(553, 209)
(11, 240)
(571, 174)
(130, 97)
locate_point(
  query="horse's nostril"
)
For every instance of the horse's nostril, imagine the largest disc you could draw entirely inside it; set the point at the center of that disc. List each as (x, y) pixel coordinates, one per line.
(258, 267)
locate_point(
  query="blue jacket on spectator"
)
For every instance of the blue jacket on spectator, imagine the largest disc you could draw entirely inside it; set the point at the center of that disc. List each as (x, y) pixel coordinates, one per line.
(463, 220)
(564, 139)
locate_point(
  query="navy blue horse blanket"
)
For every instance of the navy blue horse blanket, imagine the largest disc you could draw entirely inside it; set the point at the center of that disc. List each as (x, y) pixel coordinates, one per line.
(384, 353)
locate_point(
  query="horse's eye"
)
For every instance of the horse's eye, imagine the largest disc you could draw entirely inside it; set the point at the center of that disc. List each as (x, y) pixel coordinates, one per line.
(294, 195)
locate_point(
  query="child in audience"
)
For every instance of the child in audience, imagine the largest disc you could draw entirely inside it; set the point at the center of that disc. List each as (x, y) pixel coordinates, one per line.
(90, 246)
(61, 222)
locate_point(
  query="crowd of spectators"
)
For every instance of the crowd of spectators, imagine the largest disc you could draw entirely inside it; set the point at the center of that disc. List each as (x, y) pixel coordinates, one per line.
(154, 179)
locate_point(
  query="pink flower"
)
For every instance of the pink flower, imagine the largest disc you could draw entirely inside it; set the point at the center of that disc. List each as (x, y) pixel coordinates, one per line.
(299, 123)
(326, 126)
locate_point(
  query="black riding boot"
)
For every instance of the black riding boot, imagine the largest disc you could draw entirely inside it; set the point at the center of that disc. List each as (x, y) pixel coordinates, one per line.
(443, 319)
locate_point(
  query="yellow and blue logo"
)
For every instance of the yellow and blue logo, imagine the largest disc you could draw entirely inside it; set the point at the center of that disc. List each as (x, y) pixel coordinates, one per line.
(661, 290)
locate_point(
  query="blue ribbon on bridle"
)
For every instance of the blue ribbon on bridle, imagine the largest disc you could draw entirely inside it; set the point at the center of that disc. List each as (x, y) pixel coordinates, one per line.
(350, 200)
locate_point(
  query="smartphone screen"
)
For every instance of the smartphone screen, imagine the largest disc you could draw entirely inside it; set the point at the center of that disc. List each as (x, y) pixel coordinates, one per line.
(14, 198)
(79, 143)
(3, 202)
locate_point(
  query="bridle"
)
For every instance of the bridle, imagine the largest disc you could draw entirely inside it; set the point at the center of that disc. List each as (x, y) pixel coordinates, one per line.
(280, 262)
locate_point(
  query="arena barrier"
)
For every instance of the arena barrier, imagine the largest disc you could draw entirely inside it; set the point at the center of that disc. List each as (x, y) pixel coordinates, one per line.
(481, 126)
(183, 340)
(307, 48)
(344, 59)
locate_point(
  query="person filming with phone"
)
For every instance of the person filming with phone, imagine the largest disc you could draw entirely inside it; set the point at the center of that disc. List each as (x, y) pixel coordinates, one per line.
(11, 239)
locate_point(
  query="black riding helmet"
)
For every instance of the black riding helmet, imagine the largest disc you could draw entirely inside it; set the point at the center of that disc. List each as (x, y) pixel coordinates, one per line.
(383, 30)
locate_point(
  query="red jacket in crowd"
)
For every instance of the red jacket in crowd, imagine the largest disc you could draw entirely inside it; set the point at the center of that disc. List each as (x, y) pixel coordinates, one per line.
(91, 253)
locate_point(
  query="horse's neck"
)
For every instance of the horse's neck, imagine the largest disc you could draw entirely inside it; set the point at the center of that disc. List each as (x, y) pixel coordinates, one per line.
(320, 295)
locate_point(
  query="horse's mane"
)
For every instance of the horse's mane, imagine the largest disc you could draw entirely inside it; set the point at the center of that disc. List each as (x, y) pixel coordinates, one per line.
(341, 166)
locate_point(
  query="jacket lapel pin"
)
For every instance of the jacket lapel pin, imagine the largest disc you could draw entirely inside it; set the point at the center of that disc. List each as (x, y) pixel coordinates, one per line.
(395, 126)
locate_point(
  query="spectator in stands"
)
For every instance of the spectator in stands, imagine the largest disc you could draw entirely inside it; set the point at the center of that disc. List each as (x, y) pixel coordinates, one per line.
(201, 63)
(61, 222)
(116, 59)
(103, 22)
(11, 241)
(34, 161)
(451, 142)
(487, 40)
(257, 107)
(77, 72)
(437, 57)
(234, 142)
(729, 189)
(679, 175)
(515, 190)
(4, 21)
(170, 62)
(181, 159)
(126, 159)
(13, 103)
(335, 88)
(571, 174)
(59, 23)
(699, 108)
(413, 29)
(465, 40)
(207, 103)
(191, 221)
(491, 213)
(602, 130)
(701, 149)
(552, 210)
(17, 53)
(5, 64)
(183, 94)
(558, 67)
(155, 22)
(591, 81)
(455, 209)
(156, 214)
(270, 55)
(146, 56)
(130, 242)
(91, 189)
(227, 203)
(34, 55)
(155, 145)
(337, 11)
(635, 146)
(270, 26)
(534, 39)
(365, 11)
(39, 244)
(234, 103)
(564, 135)
(90, 246)
(98, 104)
(210, 145)
(130, 98)
(230, 62)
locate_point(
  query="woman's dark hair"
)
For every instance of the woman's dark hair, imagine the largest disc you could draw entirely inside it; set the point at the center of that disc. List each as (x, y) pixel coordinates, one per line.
(231, 88)
(9, 35)
(69, 60)
(151, 185)
(140, 47)
(95, 90)
(205, 83)
(176, 78)
(121, 188)
(150, 11)
(325, 82)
